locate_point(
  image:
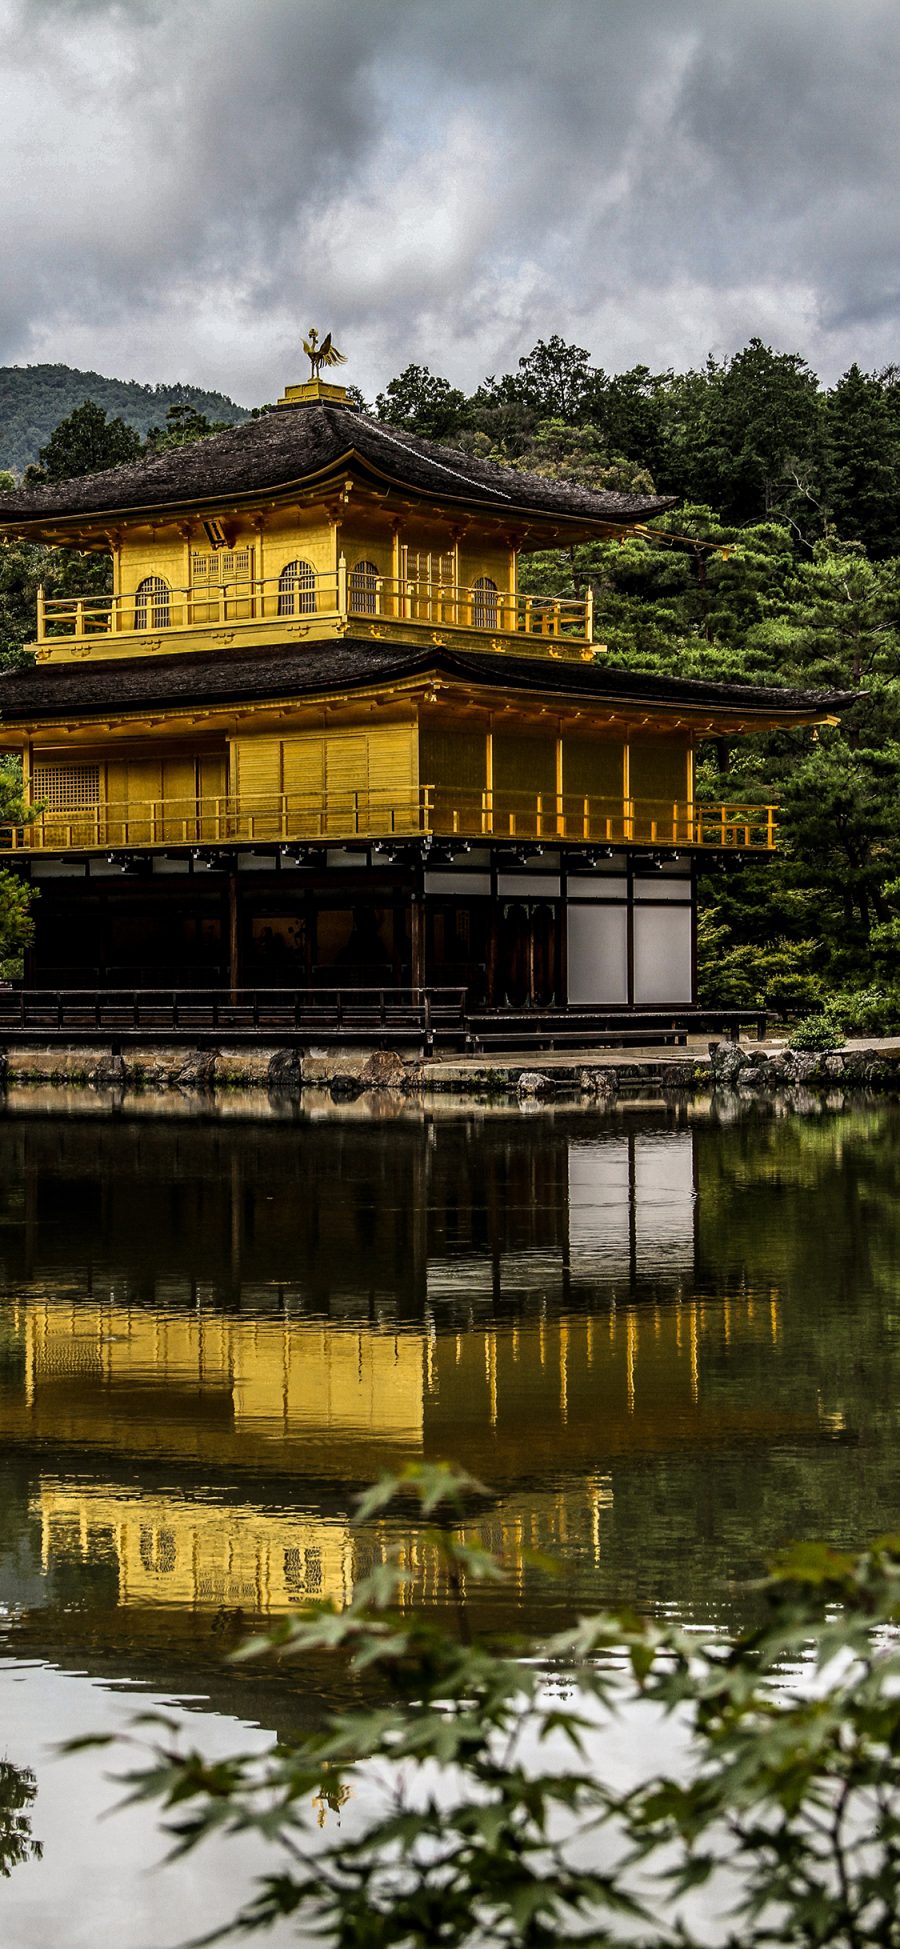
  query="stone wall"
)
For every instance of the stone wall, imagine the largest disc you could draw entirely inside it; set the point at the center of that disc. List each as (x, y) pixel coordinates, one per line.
(349, 1073)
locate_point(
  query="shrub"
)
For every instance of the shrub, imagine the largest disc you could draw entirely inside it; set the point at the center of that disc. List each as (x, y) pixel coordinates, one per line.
(490, 1815)
(866, 1011)
(816, 1032)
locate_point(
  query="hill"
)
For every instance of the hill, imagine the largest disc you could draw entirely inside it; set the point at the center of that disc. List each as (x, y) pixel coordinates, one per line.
(34, 398)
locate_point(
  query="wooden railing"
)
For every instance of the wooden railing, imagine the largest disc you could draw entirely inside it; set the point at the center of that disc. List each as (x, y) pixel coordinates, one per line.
(443, 811)
(556, 620)
(284, 1017)
(417, 1015)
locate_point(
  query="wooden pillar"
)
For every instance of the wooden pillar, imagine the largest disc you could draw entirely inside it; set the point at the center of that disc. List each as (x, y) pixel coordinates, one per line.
(258, 570)
(493, 953)
(29, 960)
(562, 937)
(395, 606)
(417, 937)
(234, 972)
(187, 606)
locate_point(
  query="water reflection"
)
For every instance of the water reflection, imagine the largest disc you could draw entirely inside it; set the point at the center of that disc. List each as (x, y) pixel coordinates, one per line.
(666, 1346)
(18, 1789)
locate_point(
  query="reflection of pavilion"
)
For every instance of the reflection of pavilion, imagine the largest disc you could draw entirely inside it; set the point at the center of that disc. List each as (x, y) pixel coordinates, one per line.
(197, 1554)
(517, 1295)
(544, 1409)
(631, 1208)
(251, 1219)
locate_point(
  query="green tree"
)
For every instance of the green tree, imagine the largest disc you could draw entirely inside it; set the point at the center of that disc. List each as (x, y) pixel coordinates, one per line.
(24, 566)
(184, 424)
(739, 434)
(422, 402)
(86, 442)
(861, 459)
(16, 896)
(629, 409)
(554, 380)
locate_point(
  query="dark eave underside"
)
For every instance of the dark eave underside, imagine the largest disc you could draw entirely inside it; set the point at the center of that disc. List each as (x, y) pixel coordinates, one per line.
(293, 447)
(135, 684)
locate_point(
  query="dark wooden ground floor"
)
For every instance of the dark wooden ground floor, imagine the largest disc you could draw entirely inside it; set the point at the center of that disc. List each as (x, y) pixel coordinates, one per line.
(521, 933)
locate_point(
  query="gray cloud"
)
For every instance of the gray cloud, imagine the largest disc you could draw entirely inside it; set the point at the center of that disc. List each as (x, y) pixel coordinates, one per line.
(189, 183)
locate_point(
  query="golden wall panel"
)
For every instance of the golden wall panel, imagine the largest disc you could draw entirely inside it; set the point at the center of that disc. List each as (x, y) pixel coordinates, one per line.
(523, 763)
(658, 768)
(453, 758)
(593, 767)
(340, 781)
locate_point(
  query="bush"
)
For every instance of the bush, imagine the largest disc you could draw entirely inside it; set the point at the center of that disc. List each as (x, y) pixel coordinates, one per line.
(866, 1011)
(777, 975)
(490, 1813)
(816, 1032)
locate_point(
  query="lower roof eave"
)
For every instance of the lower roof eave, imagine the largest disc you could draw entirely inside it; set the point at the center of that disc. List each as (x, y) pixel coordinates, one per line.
(320, 671)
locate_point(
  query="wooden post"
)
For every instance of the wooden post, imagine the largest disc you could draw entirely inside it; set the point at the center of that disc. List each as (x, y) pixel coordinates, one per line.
(41, 615)
(417, 937)
(234, 972)
(493, 951)
(589, 614)
(342, 584)
(395, 605)
(258, 570)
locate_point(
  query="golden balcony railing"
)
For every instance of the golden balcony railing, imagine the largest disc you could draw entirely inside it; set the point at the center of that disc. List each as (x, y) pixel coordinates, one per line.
(442, 811)
(550, 624)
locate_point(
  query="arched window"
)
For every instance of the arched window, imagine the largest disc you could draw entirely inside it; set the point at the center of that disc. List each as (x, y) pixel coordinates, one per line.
(151, 603)
(363, 584)
(484, 603)
(297, 590)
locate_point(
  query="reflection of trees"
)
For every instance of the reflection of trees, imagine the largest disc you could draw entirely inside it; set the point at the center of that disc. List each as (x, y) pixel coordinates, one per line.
(18, 1788)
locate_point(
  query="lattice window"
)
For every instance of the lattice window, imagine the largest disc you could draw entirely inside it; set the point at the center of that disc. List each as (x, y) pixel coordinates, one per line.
(363, 588)
(223, 565)
(484, 603)
(66, 788)
(151, 603)
(297, 590)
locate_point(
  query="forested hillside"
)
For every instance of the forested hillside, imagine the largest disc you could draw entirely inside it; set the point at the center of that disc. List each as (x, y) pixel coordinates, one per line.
(781, 565)
(34, 398)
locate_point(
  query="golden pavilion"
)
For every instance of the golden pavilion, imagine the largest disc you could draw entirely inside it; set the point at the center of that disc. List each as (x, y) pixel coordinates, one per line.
(317, 735)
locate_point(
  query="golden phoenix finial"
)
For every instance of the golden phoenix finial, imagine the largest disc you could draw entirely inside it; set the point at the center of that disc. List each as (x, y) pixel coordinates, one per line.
(324, 354)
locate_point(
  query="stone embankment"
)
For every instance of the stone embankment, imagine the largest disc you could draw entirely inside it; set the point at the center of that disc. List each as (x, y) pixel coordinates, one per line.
(347, 1073)
(763, 1067)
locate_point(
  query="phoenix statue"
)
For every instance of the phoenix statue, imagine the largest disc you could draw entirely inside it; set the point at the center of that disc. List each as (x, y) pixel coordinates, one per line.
(324, 354)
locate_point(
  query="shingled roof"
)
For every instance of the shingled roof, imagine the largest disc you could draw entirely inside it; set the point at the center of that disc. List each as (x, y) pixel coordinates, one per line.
(294, 446)
(76, 690)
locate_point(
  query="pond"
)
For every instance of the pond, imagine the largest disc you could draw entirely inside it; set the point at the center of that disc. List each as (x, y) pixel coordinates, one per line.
(667, 1340)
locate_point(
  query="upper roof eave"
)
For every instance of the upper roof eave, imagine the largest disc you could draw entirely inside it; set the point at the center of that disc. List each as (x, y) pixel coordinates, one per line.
(260, 461)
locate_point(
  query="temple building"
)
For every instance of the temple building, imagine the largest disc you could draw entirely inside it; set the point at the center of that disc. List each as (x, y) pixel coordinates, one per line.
(317, 735)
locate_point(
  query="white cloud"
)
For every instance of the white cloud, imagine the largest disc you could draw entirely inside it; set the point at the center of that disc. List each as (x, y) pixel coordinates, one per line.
(190, 182)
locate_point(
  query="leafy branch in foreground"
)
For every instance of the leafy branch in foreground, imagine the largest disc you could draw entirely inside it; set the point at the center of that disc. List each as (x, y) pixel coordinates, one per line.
(486, 1804)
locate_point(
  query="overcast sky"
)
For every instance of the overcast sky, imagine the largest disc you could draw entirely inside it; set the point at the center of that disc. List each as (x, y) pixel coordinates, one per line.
(190, 183)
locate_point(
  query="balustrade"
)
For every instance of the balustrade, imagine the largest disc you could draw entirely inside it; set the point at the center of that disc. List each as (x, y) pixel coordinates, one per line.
(442, 811)
(555, 623)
